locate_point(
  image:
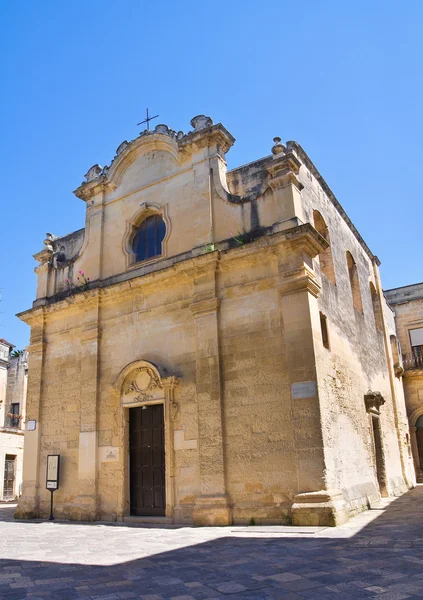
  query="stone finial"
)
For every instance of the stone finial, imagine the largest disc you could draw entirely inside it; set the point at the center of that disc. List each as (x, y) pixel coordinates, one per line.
(278, 148)
(162, 129)
(121, 147)
(92, 173)
(201, 122)
(48, 242)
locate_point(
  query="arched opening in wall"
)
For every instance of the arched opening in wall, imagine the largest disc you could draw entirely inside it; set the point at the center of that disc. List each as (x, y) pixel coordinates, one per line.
(396, 356)
(377, 307)
(419, 436)
(395, 350)
(324, 330)
(379, 457)
(148, 239)
(354, 283)
(325, 257)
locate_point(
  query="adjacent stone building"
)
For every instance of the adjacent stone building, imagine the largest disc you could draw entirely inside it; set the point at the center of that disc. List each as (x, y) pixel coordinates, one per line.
(13, 384)
(407, 302)
(213, 347)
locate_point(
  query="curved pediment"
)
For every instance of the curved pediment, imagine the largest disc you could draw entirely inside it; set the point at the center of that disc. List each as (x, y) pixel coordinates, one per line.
(143, 145)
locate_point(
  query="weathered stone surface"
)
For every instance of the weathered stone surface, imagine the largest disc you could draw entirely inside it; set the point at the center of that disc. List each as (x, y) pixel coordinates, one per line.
(407, 303)
(229, 315)
(13, 385)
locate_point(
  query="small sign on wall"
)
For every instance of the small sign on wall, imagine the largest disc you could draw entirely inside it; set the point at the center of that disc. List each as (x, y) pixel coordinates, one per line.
(53, 469)
(31, 425)
(304, 389)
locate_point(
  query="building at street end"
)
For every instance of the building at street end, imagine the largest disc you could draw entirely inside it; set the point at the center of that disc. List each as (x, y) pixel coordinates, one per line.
(407, 303)
(212, 347)
(13, 384)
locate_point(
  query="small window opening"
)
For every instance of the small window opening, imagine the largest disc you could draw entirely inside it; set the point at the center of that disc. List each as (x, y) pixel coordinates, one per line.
(324, 328)
(416, 340)
(149, 237)
(14, 414)
(354, 282)
(377, 308)
(325, 257)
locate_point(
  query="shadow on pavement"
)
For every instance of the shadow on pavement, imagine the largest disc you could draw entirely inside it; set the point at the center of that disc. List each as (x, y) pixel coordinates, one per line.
(383, 560)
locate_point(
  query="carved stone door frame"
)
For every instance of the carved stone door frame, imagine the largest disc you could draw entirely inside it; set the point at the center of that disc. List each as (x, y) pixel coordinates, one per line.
(140, 384)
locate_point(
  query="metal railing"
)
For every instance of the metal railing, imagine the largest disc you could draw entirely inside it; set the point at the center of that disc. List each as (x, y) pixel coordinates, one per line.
(12, 422)
(413, 360)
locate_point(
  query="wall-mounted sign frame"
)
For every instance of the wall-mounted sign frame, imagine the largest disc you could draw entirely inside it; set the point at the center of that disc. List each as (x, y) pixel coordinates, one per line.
(52, 478)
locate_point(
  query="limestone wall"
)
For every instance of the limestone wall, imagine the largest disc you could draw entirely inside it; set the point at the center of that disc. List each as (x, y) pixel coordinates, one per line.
(355, 363)
(11, 444)
(231, 310)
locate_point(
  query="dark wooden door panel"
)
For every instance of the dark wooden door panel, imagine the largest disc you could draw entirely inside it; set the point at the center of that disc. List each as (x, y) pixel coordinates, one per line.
(9, 477)
(419, 435)
(147, 461)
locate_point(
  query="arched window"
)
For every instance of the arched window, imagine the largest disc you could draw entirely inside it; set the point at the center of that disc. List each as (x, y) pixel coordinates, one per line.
(147, 242)
(355, 285)
(325, 257)
(419, 436)
(377, 308)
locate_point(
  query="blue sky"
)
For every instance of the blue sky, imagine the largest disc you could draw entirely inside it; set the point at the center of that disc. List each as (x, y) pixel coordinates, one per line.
(344, 79)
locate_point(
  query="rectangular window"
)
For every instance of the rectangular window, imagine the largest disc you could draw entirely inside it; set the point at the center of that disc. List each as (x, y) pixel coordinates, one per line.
(416, 338)
(14, 411)
(324, 328)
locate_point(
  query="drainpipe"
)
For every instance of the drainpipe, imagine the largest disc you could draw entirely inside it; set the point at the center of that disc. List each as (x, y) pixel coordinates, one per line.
(211, 234)
(387, 344)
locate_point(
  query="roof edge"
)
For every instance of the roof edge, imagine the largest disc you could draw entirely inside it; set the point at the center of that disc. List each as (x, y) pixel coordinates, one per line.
(312, 167)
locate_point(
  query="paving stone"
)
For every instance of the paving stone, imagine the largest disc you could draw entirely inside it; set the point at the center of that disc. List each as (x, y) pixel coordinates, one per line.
(378, 555)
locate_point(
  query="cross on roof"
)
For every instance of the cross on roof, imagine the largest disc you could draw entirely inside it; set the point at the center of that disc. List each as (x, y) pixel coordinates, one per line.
(147, 120)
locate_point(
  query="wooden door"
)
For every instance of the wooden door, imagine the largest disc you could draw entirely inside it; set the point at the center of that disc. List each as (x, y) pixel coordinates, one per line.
(419, 435)
(147, 461)
(9, 477)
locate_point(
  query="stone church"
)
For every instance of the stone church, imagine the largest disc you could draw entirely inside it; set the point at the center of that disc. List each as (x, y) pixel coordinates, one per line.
(213, 347)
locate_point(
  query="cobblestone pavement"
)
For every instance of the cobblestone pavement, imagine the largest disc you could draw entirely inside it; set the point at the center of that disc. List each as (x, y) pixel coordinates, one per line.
(378, 554)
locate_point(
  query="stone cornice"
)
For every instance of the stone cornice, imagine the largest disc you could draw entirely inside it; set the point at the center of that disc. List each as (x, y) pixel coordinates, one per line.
(299, 280)
(33, 317)
(214, 135)
(12, 430)
(88, 190)
(284, 170)
(36, 347)
(190, 264)
(413, 374)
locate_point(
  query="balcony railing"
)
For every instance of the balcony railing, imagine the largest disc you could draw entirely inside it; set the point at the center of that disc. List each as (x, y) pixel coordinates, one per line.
(412, 361)
(12, 422)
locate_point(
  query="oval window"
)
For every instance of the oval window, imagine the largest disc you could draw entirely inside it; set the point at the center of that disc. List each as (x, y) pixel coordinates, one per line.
(148, 239)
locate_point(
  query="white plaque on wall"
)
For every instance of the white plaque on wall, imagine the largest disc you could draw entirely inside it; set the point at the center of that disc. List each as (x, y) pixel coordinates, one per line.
(304, 389)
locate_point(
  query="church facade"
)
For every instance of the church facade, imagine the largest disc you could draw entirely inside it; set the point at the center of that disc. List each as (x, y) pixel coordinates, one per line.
(213, 347)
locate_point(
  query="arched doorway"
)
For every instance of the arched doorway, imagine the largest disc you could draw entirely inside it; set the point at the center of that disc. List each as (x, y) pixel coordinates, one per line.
(419, 436)
(148, 409)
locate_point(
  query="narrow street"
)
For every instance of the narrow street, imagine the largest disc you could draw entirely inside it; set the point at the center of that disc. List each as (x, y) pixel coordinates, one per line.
(378, 554)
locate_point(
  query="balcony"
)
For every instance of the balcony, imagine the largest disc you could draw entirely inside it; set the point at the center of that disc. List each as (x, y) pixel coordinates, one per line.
(12, 421)
(412, 361)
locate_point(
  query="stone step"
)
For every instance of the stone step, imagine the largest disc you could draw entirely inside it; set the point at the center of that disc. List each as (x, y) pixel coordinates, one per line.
(148, 520)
